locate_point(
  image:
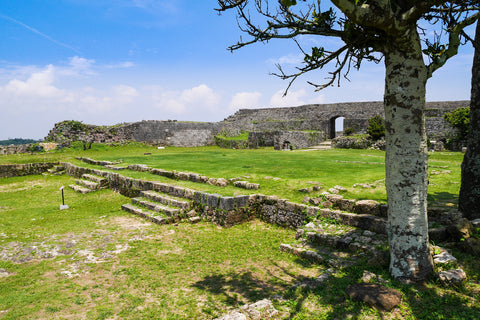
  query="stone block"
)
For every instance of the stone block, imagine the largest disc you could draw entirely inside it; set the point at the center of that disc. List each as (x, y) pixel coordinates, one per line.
(197, 197)
(221, 182)
(289, 206)
(367, 207)
(452, 277)
(189, 194)
(194, 177)
(178, 192)
(312, 211)
(204, 198)
(272, 199)
(240, 184)
(333, 198)
(213, 199)
(346, 204)
(227, 203)
(241, 201)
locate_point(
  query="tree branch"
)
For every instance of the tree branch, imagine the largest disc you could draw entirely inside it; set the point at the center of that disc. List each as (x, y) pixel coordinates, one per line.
(454, 42)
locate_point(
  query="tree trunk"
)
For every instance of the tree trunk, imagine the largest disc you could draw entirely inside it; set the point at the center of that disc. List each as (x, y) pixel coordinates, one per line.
(406, 160)
(469, 199)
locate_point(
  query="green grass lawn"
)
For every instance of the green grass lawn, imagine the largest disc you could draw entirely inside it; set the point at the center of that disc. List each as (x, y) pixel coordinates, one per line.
(295, 169)
(94, 261)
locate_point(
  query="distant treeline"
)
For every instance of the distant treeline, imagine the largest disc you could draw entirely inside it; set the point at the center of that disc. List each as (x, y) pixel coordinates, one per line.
(17, 141)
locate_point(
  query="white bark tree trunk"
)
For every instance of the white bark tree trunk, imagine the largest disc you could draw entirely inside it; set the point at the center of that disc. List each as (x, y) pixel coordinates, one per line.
(406, 159)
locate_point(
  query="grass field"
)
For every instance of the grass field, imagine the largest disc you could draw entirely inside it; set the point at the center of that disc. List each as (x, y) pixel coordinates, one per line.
(94, 261)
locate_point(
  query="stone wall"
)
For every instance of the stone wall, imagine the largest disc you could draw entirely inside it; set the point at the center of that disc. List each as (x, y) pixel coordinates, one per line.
(165, 133)
(322, 117)
(15, 170)
(297, 139)
(318, 117)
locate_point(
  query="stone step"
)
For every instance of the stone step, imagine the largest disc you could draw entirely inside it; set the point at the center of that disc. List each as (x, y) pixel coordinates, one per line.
(57, 170)
(80, 189)
(146, 214)
(323, 241)
(100, 180)
(166, 200)
(157, 207)
(88, 184)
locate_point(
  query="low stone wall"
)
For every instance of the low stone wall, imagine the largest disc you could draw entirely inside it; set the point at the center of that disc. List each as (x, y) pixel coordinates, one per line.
(297, 139)
(15, 170)
(231, 144)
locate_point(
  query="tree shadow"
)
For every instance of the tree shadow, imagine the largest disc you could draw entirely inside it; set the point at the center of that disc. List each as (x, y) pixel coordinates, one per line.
(298, 298)
(442, 198)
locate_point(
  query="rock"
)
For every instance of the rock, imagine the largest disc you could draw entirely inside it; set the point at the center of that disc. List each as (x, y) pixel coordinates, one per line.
(333, 190)
(306, 199)
(327, 204)
(444, 258)
(195, 219)
(305, 190)
(470, 245)
(461, 229)
(234, 315)
(375, 295)
(221, 182)
(316, 201)
(212, 181)
(192, 213)
(366, 207)
(262, 309)
(340, 188)
(368, 276)
(475, 223)
(453, 277)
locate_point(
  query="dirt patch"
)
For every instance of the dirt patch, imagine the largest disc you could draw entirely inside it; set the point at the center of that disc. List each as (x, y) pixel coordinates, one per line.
(129, 223)
(20, 186)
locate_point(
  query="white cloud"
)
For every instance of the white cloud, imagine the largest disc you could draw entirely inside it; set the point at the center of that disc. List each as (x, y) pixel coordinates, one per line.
(293, 98)
(78, 66)
(39, 84)
(245, 100)
(120, 65)
(197, 98)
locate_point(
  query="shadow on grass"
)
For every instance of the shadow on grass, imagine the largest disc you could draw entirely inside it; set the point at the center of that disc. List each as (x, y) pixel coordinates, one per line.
(328, 300)
(237, 287)
(442, 198)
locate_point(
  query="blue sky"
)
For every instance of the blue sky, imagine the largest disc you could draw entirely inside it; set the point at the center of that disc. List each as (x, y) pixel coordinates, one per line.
(111, 61)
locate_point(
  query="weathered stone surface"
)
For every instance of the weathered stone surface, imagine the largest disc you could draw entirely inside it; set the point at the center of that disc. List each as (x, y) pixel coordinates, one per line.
(221, 182)
(375, 295)
(367, 207)
(262, 309)
(241, 201)
(227, 203)
(15, 170)
(462, 229)
(443, 258)
(470, 245)
(195, 219)
(453, 277)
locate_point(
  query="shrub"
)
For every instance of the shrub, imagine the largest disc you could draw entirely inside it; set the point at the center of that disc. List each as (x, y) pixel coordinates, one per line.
(353, 142)
(349, 131)
(376, 128)
(460, 120)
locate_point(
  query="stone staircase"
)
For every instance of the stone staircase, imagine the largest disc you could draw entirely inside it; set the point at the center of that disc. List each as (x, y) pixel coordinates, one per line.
(336, 244)
(57, 170)
(160, 208)
(89, 183)
(325, 145)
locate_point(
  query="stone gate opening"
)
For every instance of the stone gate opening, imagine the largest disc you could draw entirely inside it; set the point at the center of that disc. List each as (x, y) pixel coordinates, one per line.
(336, 126)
